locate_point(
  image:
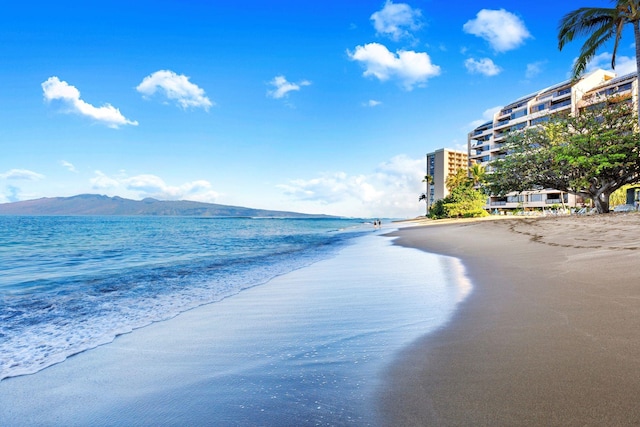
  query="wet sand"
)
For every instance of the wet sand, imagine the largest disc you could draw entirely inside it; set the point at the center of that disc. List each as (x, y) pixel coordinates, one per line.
(305, 349)
(549, 336)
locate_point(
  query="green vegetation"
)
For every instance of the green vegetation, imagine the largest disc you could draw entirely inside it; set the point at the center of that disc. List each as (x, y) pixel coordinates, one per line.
(599, 25)
(591, 155)
(463, 201)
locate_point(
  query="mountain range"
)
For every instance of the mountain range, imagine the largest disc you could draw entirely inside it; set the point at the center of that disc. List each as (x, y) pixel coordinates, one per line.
(94, 204)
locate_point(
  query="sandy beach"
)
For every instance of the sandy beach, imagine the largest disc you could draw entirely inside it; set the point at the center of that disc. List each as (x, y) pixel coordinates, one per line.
(549, 336)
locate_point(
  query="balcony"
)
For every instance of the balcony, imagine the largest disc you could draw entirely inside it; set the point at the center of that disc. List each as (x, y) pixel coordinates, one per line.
(504, 113)
(561, 104)
(562, 93)
(501, 124)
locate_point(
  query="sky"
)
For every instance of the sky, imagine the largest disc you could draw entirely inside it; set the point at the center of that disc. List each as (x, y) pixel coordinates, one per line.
(317, 107)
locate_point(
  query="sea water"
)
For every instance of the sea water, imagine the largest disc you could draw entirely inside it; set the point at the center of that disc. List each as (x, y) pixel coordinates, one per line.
(310, 347)
(69, 284)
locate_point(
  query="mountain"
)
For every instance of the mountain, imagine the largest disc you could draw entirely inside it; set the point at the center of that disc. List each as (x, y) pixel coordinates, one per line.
(94, 204)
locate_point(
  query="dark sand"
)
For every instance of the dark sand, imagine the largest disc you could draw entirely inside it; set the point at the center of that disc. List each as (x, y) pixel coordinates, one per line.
(549, 336)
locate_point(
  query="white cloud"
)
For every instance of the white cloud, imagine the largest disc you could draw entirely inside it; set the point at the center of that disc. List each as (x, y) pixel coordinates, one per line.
(482, 66)
(391, 190)
(282, 87)
(371, 103)
(534, 69)
(175, 87)
(69, 166)
(624, 64)
(10, 194)
(147, 185)
(22, 174)
(102, 181)
(396, 20)
(54, 89)
(487, 115)
(411, 68)
(503, 30)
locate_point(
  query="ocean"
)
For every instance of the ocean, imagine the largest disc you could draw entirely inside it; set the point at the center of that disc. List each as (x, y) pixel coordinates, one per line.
(68, 284)
(233, 321)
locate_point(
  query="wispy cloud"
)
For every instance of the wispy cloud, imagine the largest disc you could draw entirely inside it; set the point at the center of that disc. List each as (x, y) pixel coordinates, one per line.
(396, 20)
(486, 116)
(148, 185)
(483, 66)
(409, 67)
(175, 87)
(503, 30)
(392, 188)
(534, 69)
(371, 103)
(55, 89)
(22, 174)
(69, 166)
(624, 64)
(282, 87)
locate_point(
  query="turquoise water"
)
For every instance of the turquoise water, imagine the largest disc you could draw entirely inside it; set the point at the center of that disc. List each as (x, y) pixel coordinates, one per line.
(309, 348)
(68, 284)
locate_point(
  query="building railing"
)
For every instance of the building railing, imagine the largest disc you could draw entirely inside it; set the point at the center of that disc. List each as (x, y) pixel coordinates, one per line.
(560, 104)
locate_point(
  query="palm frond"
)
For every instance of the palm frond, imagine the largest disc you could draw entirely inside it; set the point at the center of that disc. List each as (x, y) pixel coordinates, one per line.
(583, 21)
(590, 47)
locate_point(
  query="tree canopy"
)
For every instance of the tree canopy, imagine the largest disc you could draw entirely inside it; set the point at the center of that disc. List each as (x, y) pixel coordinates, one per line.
(463, 200)
(591, 155)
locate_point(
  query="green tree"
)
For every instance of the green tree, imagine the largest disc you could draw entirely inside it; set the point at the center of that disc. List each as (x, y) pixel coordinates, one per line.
(591, 155)
(463, 200)
(457, 179)
(478, 174)
(599, 25)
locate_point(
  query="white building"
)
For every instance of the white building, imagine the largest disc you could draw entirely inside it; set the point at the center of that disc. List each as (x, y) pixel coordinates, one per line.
(486, 142)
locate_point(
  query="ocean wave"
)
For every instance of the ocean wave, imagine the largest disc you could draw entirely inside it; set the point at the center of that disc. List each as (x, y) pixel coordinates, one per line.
(71, 307)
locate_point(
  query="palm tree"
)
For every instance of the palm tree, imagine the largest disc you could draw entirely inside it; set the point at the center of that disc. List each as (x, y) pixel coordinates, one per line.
(429, 180)
(460, 177)
(600, 24)
(478, 174)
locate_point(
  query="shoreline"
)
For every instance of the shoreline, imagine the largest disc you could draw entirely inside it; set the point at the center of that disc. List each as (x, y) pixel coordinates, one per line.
(306, 348)
(549, 336)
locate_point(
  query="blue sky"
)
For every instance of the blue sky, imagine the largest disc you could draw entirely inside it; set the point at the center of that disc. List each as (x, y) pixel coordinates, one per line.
(320, 107)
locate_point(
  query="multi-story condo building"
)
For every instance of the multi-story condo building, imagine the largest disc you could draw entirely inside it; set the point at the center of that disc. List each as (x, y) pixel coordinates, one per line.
(440, 164)
(486, 142)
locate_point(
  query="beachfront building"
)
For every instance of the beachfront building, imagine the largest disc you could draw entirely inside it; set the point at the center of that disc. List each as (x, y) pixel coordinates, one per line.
(486, 142)
(440, 164)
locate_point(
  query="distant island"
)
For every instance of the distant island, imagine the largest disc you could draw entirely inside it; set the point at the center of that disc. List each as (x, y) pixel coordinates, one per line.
(95, 204)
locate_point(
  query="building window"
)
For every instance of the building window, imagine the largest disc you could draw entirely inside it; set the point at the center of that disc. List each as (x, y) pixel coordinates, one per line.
(539, 120)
